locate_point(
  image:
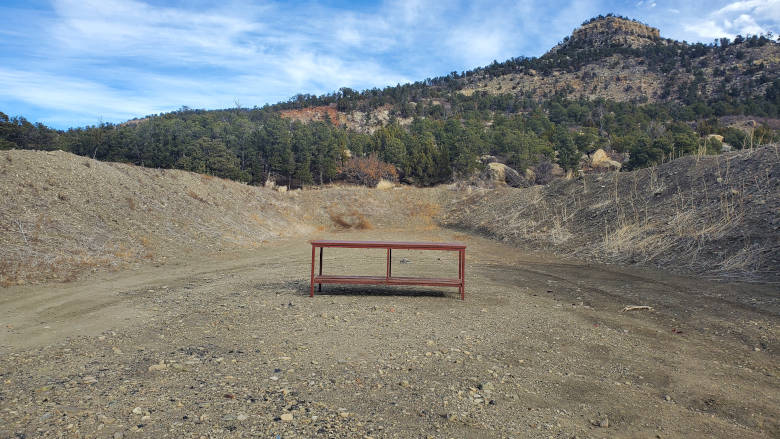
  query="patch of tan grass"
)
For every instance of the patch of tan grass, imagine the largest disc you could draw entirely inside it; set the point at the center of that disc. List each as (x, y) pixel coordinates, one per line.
(194, 195)
(384, 185)
(350, 220)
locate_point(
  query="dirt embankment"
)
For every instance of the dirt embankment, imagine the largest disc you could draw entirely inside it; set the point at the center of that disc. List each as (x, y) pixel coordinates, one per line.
(713, 214)
(63, 214)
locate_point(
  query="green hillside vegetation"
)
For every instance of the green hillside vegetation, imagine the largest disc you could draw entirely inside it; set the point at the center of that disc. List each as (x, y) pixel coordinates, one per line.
(450, 129)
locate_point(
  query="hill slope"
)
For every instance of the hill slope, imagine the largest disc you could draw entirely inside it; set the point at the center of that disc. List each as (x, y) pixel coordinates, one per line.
(718, 215)
(64, 215)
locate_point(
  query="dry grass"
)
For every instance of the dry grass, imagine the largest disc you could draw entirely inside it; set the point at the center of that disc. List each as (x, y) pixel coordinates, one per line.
(350, 220)
(708, 214)
(194, 195)
(384, 185)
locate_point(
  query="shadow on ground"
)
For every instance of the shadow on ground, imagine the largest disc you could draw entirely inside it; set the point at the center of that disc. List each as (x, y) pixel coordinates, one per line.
(361, 290)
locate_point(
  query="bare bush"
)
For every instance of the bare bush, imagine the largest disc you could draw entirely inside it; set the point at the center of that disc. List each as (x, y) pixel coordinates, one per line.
(543, 172)
(368, 171)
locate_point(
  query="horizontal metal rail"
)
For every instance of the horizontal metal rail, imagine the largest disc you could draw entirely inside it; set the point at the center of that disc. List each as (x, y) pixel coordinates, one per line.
(388, 279)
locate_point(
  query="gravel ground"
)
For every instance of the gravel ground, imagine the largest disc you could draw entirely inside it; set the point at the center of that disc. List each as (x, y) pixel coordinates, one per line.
(231, 346)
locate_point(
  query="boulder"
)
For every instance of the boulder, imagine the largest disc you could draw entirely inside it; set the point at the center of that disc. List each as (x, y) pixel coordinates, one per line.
(529, 175)
(600, 159)
(502, 174)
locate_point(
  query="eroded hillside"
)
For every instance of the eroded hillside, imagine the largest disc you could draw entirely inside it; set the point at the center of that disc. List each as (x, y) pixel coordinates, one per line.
(63, 215)
(705, 214)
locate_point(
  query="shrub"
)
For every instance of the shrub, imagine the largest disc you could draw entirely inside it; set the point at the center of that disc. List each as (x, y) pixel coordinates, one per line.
(543, 172)
(367, 171)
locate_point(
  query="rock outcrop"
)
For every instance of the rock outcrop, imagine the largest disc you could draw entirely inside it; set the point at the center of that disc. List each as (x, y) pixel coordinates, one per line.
(500, 173)
(611, 32)
(600, 160)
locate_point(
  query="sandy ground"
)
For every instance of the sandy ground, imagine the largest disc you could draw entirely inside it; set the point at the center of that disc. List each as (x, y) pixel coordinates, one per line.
(230, 345)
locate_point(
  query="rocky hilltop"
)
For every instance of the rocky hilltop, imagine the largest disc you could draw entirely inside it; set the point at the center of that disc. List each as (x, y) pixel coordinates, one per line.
(612, 32)
(626, 61)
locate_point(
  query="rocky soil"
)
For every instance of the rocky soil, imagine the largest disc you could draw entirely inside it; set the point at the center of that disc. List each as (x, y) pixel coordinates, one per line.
(232, 346)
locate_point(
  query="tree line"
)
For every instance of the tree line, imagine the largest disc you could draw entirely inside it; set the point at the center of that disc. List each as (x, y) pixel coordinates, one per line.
(436, 146)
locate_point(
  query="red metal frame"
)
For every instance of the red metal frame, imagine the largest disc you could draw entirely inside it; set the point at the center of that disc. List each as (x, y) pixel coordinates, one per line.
(388, 279)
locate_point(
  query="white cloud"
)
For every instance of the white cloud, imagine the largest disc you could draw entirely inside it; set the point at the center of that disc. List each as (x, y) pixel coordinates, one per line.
(740, 17)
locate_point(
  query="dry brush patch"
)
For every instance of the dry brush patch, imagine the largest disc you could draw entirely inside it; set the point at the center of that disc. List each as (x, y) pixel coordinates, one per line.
(707, 214)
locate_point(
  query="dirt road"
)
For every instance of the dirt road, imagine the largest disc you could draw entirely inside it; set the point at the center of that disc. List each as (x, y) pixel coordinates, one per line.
(230, 345)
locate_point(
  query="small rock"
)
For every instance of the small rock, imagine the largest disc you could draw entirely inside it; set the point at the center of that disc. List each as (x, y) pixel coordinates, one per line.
(138, 411)
(287, 417)
(158, 367)
(119, 435)
(89, 380)
(242, 417)
(344, 414)
(486, 386)
(667, 398)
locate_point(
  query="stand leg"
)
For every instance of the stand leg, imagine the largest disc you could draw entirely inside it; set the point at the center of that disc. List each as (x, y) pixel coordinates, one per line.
(321, 248)
(311, 283)
(389, 262)
(462, 275)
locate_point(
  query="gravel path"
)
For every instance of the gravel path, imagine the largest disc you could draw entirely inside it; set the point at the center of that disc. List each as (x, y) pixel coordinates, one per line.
(232, 346)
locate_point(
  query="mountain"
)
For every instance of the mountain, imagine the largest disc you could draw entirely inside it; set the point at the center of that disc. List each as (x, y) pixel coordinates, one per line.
(614, 88)
(624, 60)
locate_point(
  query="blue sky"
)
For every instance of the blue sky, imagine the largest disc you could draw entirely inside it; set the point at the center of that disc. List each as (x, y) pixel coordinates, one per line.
(79, 62)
